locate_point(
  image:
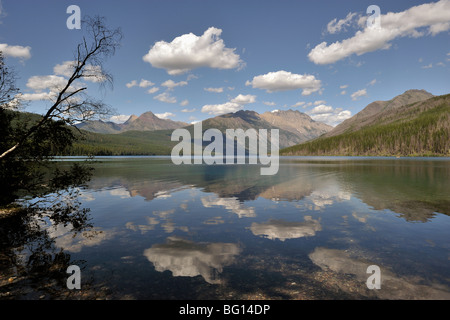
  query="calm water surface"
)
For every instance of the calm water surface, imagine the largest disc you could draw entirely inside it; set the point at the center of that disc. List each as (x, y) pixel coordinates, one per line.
(161, 231)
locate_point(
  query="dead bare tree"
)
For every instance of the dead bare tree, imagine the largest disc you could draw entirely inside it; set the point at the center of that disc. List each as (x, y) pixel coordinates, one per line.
(70, 103)
(8, 89)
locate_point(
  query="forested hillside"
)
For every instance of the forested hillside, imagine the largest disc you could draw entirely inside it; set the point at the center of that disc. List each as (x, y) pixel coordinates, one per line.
(127, 143)
(417, 129)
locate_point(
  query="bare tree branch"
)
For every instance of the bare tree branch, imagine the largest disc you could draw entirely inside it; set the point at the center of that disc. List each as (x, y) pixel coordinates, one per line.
(70, 103)
(8, 89)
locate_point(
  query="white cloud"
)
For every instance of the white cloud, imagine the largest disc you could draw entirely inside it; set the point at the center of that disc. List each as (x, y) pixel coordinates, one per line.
(153, 90)
(52, 82)
(371, 83)
(218, 109)
(46, 88)
(244, 99)
(328, 115)
(216, 90)
(335, 26)
(142, 84)
(57, 81)
(439, 27)
(321, 109)
(358, 94)
(343, 92)
(64, 69)
(145, 83)
(298, 104)
(165, 97)
(283, 81)
(15, 51)
(165, 115)
(184, 103)
(234, 105)
(189, 110)
(345, 86)
(434, 16)
(190, 51)
(37, 96)
(316, 103)
(428, 66)
(172, 84)
(91, 73)
(268, 103)
(131, 84)
(121, 118)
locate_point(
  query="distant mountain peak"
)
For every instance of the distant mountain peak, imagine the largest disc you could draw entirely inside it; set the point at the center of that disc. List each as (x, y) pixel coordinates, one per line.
(410, 91)
(411, 124)
(248, 115)
(147, 121)
(132, 118)
(413, 95)
(287, 112)
(378, 109)
(148, 114)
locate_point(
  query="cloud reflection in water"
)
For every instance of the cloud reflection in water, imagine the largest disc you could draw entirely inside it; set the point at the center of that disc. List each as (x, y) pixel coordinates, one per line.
(282, 230)
(189, 259)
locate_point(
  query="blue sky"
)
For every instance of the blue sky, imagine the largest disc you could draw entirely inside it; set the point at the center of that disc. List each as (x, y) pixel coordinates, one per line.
(317, 57)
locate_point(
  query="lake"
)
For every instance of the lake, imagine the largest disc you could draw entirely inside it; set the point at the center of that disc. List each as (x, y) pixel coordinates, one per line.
(161, 231)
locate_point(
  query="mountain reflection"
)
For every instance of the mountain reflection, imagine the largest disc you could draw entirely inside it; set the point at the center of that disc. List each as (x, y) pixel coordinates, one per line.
(414, 189)
(189, 259)
(229, 225)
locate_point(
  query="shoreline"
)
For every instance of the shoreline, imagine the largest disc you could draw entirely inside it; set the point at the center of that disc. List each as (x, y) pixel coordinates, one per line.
(281, 156)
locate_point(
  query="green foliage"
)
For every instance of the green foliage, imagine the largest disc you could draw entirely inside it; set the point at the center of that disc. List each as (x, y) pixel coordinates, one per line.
(28, 172)
(127, 143)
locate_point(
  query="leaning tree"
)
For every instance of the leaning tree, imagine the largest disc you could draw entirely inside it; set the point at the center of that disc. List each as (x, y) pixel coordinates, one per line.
(33, 187)
(27, 144)
(69, 101)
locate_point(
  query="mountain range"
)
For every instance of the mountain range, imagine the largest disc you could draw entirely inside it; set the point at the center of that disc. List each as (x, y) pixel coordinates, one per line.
(415, 123)
(294, 127)
(148, 121)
